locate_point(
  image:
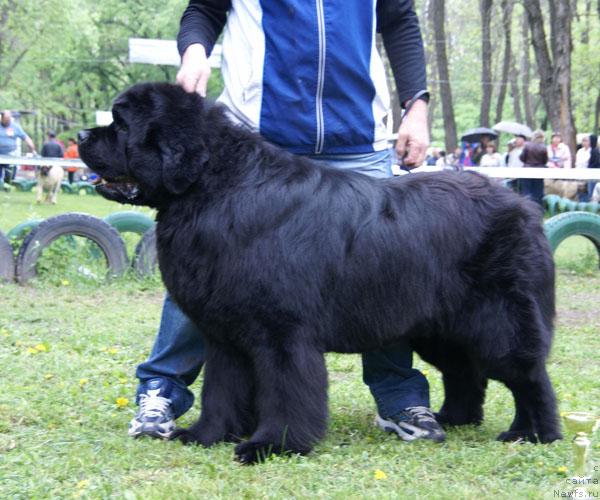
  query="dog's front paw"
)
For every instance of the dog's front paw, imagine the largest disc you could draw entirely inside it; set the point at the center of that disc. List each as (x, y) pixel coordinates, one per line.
(193, 435)
(515, 436)
(250, 452)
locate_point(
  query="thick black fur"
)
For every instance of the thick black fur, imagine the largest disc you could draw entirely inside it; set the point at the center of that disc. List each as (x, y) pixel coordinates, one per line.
(279, 260)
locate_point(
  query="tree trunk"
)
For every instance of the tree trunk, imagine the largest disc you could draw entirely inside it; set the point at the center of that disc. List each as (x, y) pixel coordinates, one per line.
(485, 7)
(507, 8)
(516, 95)
(526, 75)
(597, 117)
(548, 84)
(562, 69)
(429, 39)
(439, 15)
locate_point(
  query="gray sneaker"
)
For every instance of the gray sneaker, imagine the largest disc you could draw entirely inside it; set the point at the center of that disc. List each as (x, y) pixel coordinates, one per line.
(154, 418)
(417, 422)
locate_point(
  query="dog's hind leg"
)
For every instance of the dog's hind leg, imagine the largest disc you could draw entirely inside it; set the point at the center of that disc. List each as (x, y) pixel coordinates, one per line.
(291, 401)
(227, 399)
(536, 409)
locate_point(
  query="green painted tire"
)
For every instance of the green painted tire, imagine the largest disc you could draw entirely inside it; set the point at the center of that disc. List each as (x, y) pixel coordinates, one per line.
(65, 187)
(18, 232)
(86, 187)
(551, 203)
(130, 222)
(566, 205)
(77, 224)
(145, 259)
(594, 207)
(20, 184)
(563, 226)
(7, 263)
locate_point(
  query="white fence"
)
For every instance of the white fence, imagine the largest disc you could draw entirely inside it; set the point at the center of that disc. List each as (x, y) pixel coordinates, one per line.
(572, 174)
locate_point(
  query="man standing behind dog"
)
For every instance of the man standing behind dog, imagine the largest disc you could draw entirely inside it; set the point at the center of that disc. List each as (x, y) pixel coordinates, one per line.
(52, 148)
(308, 77)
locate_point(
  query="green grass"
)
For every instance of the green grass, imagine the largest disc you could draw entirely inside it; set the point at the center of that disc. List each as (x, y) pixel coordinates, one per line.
(68, 352)
(17, 207)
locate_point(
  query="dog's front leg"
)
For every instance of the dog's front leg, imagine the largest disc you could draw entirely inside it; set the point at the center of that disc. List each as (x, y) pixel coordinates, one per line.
(291, 401)
(39, 192)
(53, 194)
(227, 402)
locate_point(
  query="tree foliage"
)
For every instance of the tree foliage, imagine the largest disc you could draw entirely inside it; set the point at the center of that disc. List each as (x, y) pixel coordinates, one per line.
(65, 59)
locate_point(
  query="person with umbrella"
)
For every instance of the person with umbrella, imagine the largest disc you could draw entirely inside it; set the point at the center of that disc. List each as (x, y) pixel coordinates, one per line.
(479, 137)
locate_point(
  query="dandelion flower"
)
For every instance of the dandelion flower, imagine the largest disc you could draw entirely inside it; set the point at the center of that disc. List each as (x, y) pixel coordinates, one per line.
(83, 484)
(379, 474)
(32, 350)
(41, 347)
(122, 380)
(562, 469)
(48, 376)
(83, 381)
(112, 350)
(122, 402)
(65, 282)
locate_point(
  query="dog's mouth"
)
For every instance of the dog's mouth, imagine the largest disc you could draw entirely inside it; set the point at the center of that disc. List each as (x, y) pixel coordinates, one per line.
(122, 189)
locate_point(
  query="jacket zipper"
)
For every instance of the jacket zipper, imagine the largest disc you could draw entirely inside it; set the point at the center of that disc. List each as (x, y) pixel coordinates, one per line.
(320, 79)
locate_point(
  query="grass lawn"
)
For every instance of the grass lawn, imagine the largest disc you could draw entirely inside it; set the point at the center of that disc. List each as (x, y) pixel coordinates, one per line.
(68, 354)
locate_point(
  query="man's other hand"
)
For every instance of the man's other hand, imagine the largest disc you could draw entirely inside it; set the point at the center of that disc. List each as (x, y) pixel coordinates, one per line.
(195, 70)
(413, 136)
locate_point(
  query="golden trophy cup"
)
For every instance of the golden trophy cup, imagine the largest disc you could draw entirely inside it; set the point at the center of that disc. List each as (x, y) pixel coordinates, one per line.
(582, 425)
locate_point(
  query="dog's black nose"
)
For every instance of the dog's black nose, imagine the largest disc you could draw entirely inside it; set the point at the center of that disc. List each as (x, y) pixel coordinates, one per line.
(83, 135)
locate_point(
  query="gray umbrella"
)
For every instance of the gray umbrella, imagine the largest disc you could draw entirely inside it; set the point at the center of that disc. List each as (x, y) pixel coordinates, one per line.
(514, 128)
(474, 135)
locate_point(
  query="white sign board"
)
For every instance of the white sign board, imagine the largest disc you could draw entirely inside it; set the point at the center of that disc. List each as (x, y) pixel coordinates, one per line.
(103, 118)
(153, 51)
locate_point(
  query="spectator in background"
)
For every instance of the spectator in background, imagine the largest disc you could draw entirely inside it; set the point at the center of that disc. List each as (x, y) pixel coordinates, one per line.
(594, 162)
(71, 153)
(582, 158)
(534, 154)
(441, 162)
(433, 158)
(455, 159)
(481, 149)
(491, 158)
(559, 154)
(10, 131)
(514, 156)
(52, 148)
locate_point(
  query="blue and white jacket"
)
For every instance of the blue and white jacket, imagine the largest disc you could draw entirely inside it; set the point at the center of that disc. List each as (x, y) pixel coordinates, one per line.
(307, 74)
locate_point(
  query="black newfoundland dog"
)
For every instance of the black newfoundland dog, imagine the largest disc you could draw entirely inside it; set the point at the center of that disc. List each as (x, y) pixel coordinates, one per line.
(279, 260)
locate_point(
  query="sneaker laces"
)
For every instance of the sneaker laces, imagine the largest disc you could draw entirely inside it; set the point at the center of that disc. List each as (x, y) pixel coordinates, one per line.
(421, 412)
(153, 405)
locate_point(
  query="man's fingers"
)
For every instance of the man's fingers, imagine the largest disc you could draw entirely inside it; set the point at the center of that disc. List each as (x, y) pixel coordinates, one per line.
(401, 145)
(416, 154)
(203, 83)
(187, 81)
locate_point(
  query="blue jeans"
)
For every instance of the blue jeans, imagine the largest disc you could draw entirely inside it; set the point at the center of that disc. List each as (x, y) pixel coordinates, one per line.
(178, 352)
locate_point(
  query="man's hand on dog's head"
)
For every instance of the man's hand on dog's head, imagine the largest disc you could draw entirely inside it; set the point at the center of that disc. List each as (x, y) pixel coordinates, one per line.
(194, 72)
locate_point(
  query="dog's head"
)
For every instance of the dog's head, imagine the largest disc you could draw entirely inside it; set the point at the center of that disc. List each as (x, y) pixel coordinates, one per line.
(153, 150)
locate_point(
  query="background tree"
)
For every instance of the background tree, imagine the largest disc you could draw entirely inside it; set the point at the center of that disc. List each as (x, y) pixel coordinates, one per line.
(485, 8)
(438, 9)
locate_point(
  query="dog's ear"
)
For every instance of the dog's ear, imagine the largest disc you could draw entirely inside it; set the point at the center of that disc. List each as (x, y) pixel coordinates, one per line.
(180, 167)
